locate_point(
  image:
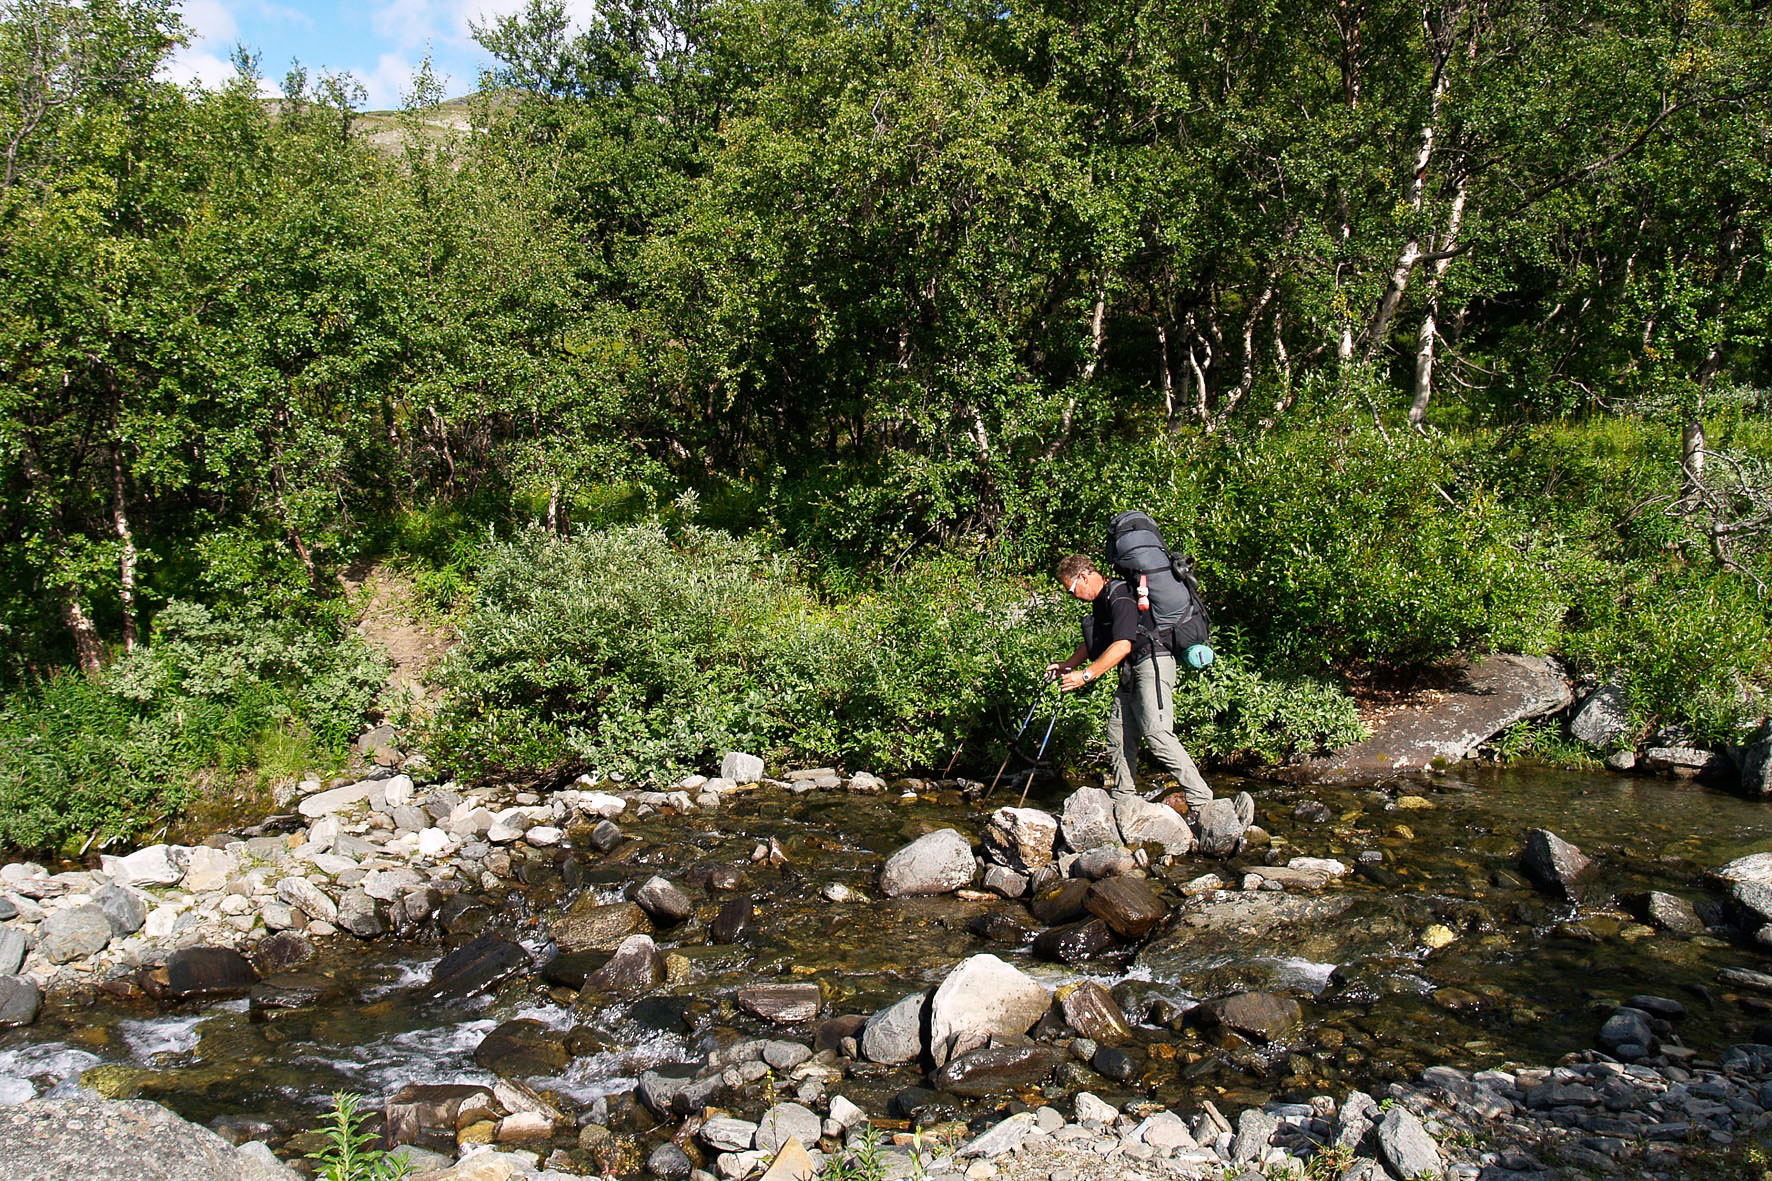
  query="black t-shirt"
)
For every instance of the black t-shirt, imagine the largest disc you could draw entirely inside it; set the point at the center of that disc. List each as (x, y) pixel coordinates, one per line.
(1113, 616)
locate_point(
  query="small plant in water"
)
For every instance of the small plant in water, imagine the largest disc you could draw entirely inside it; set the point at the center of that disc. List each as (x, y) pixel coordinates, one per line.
(347, 1155)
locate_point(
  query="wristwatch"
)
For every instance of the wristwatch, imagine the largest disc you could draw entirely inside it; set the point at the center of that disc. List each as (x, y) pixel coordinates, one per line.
(1088, 676)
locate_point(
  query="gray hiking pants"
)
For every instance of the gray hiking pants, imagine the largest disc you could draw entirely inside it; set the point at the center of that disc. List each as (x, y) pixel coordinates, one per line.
(1144, 707)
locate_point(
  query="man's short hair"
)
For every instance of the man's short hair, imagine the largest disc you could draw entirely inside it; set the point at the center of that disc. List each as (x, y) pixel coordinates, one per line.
(1074, 567)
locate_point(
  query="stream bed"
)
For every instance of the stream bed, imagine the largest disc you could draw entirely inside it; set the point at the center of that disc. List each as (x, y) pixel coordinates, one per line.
(1525, 978)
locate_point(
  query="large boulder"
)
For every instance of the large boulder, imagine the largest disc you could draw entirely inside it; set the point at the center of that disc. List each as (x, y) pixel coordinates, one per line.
(741, 768)
(156, 865)
(938, 863)
(19, 1000)
(426, 1114)
(480, 966)
(1020, 838)
(522, 1048)
(81, 1137)
(982, 997)
(895, 1033)
(1406, 1148)
(781, 1004)
(593, 926)
(1088, 820)
(1092, 1011)
(1142, 822)
(1074, 943)
(998, 1070)
(73, 934)
(635, 968)
(1269, 1016)
(199, 972)
(1126, 904)
(1602, 719)
(1756, 762)
(1220, 828)
(663, 903)
(1554, 864)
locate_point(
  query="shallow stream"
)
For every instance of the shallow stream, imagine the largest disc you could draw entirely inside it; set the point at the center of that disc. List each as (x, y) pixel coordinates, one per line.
(1527, 979)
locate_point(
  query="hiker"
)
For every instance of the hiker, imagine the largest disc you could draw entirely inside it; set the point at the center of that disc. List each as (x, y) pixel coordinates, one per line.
(1144, 696)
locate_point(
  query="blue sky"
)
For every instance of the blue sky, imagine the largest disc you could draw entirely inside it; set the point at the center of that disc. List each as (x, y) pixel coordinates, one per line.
(381, 42)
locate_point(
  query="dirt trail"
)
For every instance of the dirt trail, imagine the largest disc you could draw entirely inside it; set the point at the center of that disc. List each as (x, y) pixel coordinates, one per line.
(389, 622)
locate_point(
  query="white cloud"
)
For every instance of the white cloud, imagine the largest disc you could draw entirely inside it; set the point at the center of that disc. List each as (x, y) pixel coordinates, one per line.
(211, 22)
(412, 23)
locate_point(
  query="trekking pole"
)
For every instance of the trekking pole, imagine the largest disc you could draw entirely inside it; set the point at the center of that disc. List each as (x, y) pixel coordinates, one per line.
(1034, 705)
(1063, 699)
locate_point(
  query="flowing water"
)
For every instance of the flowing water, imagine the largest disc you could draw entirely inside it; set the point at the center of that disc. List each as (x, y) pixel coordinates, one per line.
(1527, 978)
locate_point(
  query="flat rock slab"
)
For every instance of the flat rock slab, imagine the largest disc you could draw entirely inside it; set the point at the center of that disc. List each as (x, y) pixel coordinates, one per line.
(91, 1139)
(1490, 697)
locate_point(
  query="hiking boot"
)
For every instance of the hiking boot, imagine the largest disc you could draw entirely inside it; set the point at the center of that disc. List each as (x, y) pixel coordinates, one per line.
(1245, 804)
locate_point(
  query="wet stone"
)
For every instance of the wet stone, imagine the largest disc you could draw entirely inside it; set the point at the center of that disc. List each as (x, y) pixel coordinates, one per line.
(1091, 1010)
(288, 991)
(635, 967)
(831, 1034)
(1062, 904)
(732, 921)
(782, 1004)
(479, 966)
(593, 926)
(570, 969)
(1128, 905)
(20, 1001)
(1554, 864)
(197, 972)
(1269, 1016)
(605, 836)
(938, 863)
(521, 1048)
(1112, 1062)
(663, 902)
(1076, 942)
(998, 1069)
(1001, 928)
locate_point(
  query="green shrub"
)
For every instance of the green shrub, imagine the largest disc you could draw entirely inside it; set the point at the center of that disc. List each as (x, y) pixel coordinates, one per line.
(1230, 710)
(646, 653)
(348, 1155)
(213, 692)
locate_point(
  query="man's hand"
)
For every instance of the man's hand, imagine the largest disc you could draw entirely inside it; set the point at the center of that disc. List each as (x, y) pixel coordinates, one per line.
(1073, 680)
(1057, 669)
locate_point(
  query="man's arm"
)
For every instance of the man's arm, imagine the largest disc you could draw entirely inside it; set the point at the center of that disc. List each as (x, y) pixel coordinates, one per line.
(1100, 666)
(1065, 666)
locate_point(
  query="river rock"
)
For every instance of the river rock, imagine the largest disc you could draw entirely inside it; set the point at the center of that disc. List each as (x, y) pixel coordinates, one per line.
(280, 952)
(605, 836)
(786, 1121)
(20, 999)
(1406, 1148)
(339, 799)
(792, 1162)
(593, 926)
(725, 1134)
(635, 968)
(294, 990)
(1064, 903)
(208, 869)
(1554, 864)
(1020, 838)
(521, 1048)
(981, 997)
(938, 863)
(1128, 905)
(782, 1004)
(741, 768)
(308, 898)
(385, 885)
(361, 915)
(476, 967)
(995, 1070)
(1141, 822)
(1092, 1011)
(1255, 1131)
(669, 1163)
(198, 972)
(732, 921)
(1005, 882)
(1681, 761)
(425, 1114)
(1075, 942)
(156, 865)
(1088, 820)
(123, 907)
(895, 1033)
(1220, 828)
(81, 1137)
(1104, 861)
(73, 934)
(1628, 1035)
(1602, 718)
(1003, 1138)
(1269, 1016)
(1756, 762)
(13, 947)
(663, 903)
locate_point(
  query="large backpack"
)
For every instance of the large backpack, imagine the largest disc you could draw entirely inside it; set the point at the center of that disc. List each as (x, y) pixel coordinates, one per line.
(1177, 617)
